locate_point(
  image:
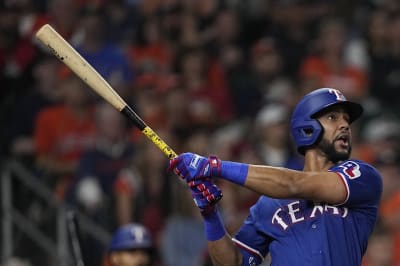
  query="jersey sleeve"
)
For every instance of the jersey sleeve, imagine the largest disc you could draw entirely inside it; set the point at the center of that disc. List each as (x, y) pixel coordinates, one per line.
(253, 243)
(362, 181)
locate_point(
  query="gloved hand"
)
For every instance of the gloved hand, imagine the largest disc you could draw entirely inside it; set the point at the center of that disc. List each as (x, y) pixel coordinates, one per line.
(205, 194)
(190, 166)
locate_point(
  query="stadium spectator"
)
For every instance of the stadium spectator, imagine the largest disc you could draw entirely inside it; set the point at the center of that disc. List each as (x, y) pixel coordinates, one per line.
(377, 41)
(149, 51)
(63, 15)
(390, 206)
(326, 65)
(380, 249)
(269, 75)
(182, 221)
(381, 138)
(131, 245)
(43, 93)
(385, 70)
(103, 54)
(121, 19)
(142, 189)
(272, 144)
(17, 55)
(98, 168)
(62, 133)
(206, 98)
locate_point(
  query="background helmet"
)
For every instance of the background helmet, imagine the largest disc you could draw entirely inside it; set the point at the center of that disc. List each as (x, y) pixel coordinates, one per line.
(306, 129)
(131, 236)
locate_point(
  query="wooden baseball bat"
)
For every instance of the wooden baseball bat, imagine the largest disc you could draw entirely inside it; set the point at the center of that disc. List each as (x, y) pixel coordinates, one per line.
(70, 57)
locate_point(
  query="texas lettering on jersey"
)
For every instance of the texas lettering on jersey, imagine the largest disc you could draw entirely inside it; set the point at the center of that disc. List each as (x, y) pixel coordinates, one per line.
(295, 214)
(292, 213)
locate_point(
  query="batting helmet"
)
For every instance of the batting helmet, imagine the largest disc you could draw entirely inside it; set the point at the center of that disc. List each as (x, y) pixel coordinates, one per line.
(306, 129)
(131, 236)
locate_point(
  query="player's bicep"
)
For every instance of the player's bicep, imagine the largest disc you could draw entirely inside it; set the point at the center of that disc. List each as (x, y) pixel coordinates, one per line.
(328, 187)
(351, 182)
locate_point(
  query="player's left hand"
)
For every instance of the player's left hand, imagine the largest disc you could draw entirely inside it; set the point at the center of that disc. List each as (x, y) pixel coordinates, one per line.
(191, 166)
(205, 193)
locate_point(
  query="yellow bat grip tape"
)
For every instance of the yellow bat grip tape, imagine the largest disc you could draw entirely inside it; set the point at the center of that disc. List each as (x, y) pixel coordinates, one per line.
(159, 142)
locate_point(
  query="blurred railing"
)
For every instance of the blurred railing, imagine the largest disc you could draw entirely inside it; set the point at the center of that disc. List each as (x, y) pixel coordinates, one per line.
(55, 246)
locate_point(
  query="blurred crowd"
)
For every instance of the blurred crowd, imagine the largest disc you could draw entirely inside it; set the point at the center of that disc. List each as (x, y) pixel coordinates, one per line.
(209, 76)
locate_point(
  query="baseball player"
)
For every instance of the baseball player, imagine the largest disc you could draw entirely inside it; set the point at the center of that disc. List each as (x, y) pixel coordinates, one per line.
(130, 245)
(322, 215)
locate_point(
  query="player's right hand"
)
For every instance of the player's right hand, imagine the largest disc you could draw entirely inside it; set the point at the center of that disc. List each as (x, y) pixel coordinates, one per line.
(191, 166)
(205, 193)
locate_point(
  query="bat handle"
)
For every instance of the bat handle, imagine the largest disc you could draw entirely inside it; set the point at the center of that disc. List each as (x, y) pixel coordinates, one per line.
(159, 142)
(147, 131)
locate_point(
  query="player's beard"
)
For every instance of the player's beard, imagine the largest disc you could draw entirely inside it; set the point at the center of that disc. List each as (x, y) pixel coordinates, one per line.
(333, 155)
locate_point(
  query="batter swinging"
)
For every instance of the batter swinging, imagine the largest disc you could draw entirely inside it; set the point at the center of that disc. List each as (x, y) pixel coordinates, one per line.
(322, 215)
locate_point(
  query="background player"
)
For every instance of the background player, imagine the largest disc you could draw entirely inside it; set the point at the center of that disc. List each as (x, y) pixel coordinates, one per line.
(322, 215)
(131, 245)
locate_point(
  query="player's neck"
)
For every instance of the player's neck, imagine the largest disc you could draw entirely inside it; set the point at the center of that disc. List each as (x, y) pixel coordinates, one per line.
(314, 160)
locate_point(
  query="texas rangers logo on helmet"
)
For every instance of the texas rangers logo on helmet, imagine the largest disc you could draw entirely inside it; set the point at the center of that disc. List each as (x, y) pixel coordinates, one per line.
(339, 95)
(138, 233)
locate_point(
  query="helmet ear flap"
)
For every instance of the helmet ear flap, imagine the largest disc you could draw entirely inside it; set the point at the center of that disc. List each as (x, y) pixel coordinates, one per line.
(306, 134)
(307, 131)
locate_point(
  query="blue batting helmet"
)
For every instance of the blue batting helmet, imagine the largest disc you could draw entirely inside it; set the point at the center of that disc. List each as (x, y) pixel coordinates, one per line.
(306, 129)
(129, 237)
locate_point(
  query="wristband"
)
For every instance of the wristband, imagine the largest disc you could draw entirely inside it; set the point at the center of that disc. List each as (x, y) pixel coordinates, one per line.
(234, 172)
(213, 227)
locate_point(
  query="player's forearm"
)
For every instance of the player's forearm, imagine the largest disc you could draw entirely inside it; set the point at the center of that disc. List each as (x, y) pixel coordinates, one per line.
(274, 181)
(223, 252)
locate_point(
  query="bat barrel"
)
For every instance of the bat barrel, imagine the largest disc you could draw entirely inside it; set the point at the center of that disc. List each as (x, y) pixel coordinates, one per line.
(59, 47)
(70, 57)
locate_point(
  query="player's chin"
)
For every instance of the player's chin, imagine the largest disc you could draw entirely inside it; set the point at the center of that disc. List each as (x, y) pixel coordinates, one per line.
(343, 153)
